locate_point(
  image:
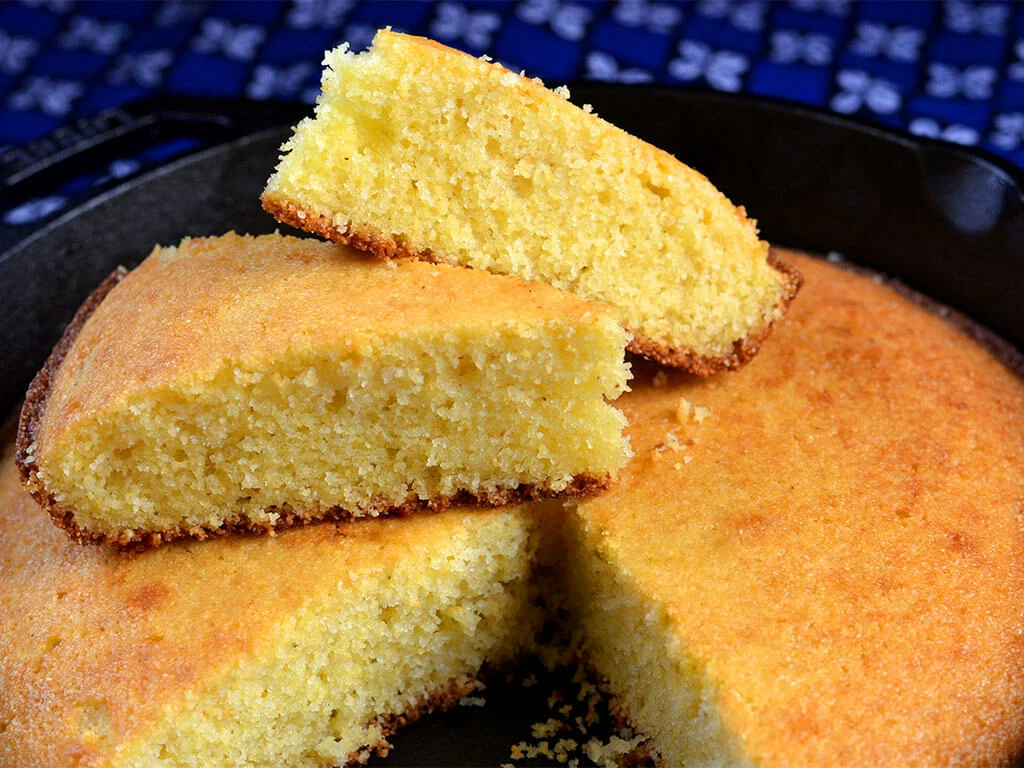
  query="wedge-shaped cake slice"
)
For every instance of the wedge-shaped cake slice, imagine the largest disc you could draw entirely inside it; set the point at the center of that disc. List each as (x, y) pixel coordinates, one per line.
(302, 650)
(419, 150)
(817, 560)
(240, 383)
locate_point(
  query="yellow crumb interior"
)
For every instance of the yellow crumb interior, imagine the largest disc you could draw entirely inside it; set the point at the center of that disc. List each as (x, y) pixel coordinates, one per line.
(366, 429)
(479, 166)
(665, 693)
(312, 695)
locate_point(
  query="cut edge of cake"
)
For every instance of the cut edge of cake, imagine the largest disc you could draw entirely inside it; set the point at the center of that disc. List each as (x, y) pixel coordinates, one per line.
(282, 517)
(365, 234)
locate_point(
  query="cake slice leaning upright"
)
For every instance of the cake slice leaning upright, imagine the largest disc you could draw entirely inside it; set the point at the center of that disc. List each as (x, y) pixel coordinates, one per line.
(420, 150)
(240, 383)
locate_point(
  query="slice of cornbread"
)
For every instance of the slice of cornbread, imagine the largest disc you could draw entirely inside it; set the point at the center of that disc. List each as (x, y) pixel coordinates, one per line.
(419, 150)
(818, 560)
(301, 650)
(252, 383)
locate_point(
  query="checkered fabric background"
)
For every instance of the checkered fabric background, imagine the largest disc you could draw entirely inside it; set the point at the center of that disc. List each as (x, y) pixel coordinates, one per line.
(953, 70)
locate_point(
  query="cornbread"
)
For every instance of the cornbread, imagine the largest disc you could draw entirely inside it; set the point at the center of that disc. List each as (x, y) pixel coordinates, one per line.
(241, 383)
(825, 568)
(814, 561)
(422, 151)
(303, 649)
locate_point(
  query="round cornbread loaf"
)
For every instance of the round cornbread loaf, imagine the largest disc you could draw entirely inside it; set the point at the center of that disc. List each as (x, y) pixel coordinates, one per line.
(241, 383)
(420, 150)
(817, 560)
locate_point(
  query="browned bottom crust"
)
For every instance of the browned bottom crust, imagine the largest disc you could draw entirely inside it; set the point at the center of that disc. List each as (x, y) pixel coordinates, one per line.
(438, 701)
(138, 541)
(34, 408)
(384, 246)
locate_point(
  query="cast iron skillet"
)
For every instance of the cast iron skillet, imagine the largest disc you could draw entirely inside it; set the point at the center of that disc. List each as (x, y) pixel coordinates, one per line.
(946, 221)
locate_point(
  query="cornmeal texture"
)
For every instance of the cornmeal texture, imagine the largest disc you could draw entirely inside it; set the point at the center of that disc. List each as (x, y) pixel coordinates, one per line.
(419, 150)
(240, 383)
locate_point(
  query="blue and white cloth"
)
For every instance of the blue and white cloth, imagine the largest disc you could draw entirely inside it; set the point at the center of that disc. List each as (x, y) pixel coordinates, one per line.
(952, 70)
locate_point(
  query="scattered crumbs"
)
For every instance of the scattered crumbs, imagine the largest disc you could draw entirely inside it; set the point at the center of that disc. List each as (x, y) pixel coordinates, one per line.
(530, 681)
(607, 755)
(671, 443)
(486, 58)
(588, 108)
(563, 748)
(834, 257)
(683, 410)
(687, 411)
(472, 701)
(562, 91)
(547, 729)
(391, 263)
(660, 379)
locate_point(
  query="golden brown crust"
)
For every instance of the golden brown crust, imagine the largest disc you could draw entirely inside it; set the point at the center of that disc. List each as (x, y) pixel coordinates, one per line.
(38, 395)
(139, 541)
(388, 247)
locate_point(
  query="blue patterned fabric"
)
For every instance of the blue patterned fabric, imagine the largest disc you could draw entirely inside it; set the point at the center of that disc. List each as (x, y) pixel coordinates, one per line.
(952, 70)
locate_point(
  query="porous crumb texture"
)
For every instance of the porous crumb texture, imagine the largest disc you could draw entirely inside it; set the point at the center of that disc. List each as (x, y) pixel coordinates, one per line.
(302, 650)
(419, 150)
(812, 561)
(298, 380)
(817, 559)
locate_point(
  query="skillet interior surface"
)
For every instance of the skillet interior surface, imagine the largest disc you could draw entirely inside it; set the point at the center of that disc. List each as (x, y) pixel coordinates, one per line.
(947, 222)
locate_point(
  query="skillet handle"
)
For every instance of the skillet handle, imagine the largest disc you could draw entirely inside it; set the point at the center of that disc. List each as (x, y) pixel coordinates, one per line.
(88, 144)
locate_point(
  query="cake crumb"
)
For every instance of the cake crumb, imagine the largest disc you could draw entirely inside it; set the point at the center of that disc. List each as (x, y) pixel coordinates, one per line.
(687, 412)
(472, 701)
(660, 379)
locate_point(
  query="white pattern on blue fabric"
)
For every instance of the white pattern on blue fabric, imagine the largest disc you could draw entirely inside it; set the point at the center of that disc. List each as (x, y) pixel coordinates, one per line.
(955, 132)
(946, 81)
(1016, 70)
(900, 43)
(831, 7)
(94, 35)
(310, 14)
(789, 46)
(456, 22)
(661, 18)
(602, 66)
(747, 16)
(145, 68)
(50, 96)
(970, 19)
(1008, 132)
(270, 82)
(722, 70)
(171, 12)
(15, 53)
(566, 20)
(859, 89)
(236, 41)
(34, 210)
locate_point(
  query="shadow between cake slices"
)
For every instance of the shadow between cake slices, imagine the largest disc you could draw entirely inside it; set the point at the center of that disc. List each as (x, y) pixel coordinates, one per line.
(572, 339)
